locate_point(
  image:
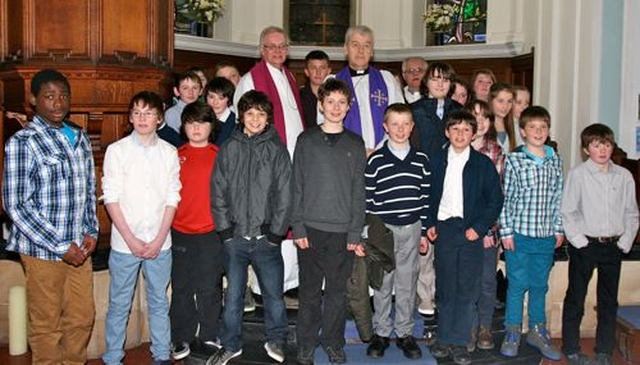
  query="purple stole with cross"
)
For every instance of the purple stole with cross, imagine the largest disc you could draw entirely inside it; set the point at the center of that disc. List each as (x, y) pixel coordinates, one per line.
(378, 100)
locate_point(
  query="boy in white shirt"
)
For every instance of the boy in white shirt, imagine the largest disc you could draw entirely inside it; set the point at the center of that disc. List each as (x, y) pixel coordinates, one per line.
(141, 186)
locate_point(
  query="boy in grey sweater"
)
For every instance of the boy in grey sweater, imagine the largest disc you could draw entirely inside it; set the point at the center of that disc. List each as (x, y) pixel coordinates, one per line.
(328, 217)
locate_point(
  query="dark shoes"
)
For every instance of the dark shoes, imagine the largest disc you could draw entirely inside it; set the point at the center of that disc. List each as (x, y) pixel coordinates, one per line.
(485, 339)
(336, 355)
(409, 347)
(377, 346)
(305, 355)
(460, 355)
(579, 359)
(440, 351)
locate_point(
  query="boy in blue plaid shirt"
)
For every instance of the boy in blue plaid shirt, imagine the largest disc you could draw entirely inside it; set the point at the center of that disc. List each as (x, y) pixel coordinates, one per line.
(530, 229)
(49, 192)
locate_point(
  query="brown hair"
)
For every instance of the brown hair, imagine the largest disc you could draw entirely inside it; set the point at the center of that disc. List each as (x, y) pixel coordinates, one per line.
(597, 132)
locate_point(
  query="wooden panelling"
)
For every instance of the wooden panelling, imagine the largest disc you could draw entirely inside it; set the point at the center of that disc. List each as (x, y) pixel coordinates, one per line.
(55, 40)
(108, 49)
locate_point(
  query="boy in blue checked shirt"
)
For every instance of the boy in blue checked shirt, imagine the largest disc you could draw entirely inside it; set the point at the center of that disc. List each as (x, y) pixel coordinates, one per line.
(530, 230)
(600, 215)
(49, 192)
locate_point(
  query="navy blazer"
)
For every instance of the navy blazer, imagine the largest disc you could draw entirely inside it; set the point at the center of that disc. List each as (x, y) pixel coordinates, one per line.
(482, 191)
(428, 134)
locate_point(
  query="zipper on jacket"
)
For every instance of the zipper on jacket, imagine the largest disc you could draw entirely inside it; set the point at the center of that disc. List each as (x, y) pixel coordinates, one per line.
(249, 183)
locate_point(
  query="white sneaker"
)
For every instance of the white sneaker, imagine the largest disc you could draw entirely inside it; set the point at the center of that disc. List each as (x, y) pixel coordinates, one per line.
(427, 311)
(216, 344)
(180, 351)
(275, 351)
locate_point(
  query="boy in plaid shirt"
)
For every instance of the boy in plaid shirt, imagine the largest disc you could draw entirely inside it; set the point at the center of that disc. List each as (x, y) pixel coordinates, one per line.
(530, 229)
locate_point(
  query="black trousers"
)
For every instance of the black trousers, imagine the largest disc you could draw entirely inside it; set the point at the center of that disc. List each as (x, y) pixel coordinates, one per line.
(323, 318)
(196, 283)
(607, 258)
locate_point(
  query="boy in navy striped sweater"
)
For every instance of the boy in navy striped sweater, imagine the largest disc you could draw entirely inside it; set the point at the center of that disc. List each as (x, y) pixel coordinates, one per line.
(397, 189)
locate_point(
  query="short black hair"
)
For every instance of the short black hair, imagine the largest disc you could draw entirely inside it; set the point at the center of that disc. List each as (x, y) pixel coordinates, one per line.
(199, 112)
(316, 55)
(255, 99)
(332, 84)
(462, 116)
(220, 85)
(47, 75)
(597, 132)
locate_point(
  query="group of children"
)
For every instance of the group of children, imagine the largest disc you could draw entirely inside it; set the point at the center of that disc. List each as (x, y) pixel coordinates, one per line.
(226, 198)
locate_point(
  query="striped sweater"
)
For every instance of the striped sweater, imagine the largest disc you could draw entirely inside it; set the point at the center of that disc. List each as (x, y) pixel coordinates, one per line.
(398, 190)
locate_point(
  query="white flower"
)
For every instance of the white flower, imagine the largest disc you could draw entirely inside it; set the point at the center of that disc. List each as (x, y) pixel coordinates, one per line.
(439, 17)
(201, 10)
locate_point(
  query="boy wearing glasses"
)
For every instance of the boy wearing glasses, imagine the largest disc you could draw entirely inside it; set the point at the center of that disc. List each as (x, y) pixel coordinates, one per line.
(141, 186)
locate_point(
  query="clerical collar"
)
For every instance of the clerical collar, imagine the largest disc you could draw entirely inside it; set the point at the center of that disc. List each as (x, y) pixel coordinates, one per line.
(358, 72)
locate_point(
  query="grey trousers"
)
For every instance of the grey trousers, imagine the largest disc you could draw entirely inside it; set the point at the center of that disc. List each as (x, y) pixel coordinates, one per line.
(427, 281)
(402, 280)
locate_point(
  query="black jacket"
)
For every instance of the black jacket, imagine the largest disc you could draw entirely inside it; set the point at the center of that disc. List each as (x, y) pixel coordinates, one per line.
(251, 187)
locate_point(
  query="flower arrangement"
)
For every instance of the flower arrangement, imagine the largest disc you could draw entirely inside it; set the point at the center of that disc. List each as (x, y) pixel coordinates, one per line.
(200, 10)
(441, 17)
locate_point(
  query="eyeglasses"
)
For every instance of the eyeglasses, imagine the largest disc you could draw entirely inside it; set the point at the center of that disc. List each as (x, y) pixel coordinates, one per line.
(414, 70)
(273, 47)
(143, 115)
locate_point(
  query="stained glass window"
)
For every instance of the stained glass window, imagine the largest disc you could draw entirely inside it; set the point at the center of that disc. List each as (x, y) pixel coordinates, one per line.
(456, 21)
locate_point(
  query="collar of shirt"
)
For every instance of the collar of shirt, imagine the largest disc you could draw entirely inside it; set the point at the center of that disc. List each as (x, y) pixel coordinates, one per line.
(136, 139)
(275, 71)
(462, 156)
(401, 153)
(593, 168)
(225, 115)
(355, 73)
(411, 92)
(548, 153)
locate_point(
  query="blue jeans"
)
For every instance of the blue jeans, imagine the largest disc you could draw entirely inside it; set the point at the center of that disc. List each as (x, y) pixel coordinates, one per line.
(528, 268)
(123, 269)
(268, 265)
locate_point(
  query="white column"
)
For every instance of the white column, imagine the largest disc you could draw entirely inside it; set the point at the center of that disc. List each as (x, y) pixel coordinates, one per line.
(630, 88)
(566, 68)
